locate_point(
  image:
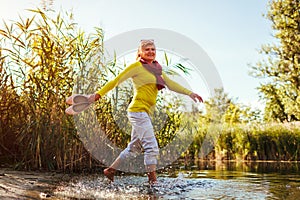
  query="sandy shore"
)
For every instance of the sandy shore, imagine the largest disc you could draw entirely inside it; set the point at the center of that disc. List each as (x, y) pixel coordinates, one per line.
(29, 185)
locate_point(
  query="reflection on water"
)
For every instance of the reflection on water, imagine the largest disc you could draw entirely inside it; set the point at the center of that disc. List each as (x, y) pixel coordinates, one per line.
(202, 180)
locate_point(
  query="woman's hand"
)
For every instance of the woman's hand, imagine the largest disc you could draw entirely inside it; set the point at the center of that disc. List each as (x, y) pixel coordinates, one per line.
(94, 97)
(196, 97)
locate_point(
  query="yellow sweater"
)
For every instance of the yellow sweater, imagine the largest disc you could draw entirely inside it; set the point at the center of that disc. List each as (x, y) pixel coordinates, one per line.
(144, 84)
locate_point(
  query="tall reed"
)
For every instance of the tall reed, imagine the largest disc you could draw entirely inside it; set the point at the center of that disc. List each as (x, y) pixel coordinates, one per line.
(276, 142)
(10, 117)
(46, 55)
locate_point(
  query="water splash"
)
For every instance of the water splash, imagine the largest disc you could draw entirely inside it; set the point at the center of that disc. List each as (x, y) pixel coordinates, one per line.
(129, 187)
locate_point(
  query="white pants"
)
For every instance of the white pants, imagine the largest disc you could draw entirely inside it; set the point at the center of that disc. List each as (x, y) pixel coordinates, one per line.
(142, 138)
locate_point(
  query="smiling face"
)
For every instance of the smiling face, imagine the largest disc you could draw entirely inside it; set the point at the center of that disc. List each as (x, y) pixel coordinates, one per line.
(147, 51)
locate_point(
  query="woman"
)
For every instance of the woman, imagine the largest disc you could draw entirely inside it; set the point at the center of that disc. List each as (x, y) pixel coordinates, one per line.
(148, 78)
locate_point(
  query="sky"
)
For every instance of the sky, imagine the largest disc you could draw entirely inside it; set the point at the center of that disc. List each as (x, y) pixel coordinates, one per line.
(231, 32)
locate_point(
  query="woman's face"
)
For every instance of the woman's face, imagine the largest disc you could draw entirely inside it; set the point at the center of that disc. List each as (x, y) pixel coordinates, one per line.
(148, 53)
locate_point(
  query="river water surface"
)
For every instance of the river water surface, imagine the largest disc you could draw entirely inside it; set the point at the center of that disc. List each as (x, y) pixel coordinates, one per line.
(230, 180)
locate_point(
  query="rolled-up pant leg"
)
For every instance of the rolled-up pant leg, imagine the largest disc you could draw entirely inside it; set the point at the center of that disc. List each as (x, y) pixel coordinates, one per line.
(142, 138)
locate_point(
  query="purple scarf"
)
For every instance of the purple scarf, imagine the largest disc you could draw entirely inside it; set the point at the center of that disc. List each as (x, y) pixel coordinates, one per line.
(156, 69)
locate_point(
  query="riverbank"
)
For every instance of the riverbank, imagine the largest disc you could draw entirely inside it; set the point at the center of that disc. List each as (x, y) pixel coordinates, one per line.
(28, 184)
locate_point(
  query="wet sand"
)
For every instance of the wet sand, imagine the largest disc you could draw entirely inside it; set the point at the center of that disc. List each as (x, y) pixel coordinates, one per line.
(29, 185)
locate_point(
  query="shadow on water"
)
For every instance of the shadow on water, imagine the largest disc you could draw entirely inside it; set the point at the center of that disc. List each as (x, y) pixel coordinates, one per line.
(201, 180)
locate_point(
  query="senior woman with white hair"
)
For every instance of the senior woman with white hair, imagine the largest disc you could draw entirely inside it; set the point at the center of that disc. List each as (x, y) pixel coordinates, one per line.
(147, 78)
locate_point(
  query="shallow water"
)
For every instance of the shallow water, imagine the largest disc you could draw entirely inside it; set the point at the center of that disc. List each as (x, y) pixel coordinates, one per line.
(202, 181)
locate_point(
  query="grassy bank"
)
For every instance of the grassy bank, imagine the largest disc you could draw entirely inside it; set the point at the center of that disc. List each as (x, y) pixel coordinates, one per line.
(276, 142)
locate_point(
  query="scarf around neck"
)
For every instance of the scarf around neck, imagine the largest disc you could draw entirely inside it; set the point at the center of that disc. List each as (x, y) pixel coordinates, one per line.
(156, 69)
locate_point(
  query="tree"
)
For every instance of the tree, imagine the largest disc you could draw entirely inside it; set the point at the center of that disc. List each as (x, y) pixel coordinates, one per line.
(241, 114)
(217, 106)
(281, 70)
(222, 109)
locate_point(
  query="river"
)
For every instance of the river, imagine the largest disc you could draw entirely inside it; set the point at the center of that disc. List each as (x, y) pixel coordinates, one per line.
(201, 180)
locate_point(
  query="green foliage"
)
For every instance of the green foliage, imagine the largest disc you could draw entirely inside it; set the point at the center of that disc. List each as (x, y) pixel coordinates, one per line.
(217, 106)
(253, 142)
(220, 108)
(281, 90)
